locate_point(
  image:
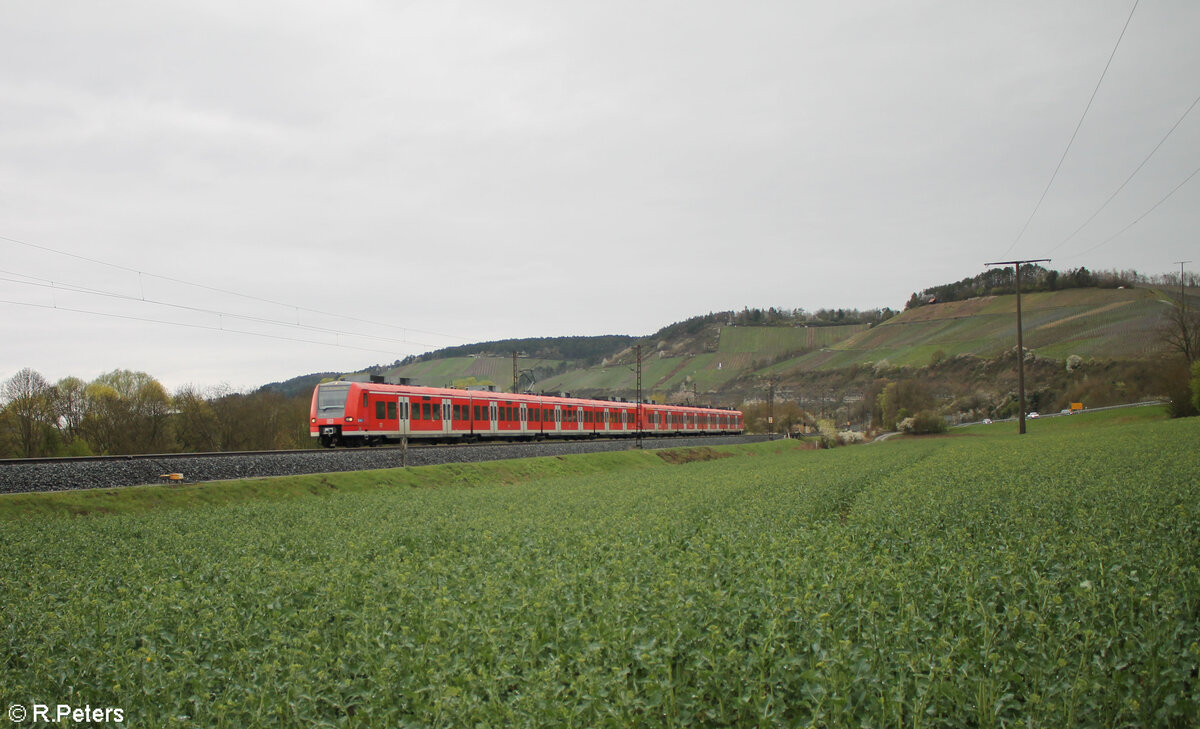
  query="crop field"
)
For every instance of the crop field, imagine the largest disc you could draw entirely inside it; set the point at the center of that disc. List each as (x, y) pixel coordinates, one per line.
(766, 341)
(976, 580)
(1115, 323)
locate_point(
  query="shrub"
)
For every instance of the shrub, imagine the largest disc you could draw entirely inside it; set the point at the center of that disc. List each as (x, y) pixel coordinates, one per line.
(923, 423)
(1177, 384)
(851, 437)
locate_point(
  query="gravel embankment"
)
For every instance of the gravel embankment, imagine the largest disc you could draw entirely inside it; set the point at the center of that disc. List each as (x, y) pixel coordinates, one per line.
(114, 472)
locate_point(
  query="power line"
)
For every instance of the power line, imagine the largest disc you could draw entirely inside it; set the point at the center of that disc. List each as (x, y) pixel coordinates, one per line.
(1131, 176)
(1139, 218)
(222, 291)
(1075, 133)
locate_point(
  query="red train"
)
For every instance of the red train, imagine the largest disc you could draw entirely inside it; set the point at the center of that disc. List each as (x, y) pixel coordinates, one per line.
(369, 413)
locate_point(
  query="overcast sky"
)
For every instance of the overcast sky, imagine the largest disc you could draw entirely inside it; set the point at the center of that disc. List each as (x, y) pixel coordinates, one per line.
(437, 173)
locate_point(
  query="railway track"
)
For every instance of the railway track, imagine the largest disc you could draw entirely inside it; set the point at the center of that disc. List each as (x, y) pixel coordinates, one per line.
(63, 474)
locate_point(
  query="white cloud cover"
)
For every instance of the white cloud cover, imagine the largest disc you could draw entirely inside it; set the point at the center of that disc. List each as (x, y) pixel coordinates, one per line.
(438, 173)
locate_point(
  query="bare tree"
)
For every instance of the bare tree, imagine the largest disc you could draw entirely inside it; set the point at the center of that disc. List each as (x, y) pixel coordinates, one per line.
(1180, 331)
(27, 396)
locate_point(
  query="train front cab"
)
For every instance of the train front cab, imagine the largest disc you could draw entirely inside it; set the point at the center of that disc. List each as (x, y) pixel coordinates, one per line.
(328, 416)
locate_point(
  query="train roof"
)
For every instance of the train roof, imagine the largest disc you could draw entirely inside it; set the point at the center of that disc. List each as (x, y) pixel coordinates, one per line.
(518, 397)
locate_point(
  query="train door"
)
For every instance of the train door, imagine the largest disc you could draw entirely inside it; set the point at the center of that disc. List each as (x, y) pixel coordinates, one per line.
(402, 411)
(493, 417)
(524, 418)
(447, 423)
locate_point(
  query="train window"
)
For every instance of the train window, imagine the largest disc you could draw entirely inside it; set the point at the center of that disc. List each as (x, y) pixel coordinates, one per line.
(379, 409)
(364, 400)
(391, 411)
(404, 410)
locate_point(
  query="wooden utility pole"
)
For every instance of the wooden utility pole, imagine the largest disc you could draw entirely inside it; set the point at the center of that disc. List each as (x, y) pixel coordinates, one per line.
(1020, 341)
(639, 397)
(516, 376)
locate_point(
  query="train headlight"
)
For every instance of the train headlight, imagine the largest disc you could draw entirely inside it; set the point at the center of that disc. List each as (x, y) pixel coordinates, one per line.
(349, 420)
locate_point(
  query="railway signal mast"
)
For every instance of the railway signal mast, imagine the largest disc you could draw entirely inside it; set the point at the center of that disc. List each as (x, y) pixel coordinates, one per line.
(1020, 342)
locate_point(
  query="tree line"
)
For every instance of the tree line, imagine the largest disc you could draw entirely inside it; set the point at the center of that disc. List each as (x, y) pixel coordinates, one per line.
(124, 412)
(998, 281)
(586, 349)
(774, 317)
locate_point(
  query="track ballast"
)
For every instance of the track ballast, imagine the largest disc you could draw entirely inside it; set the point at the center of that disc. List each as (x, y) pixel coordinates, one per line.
(64, 474)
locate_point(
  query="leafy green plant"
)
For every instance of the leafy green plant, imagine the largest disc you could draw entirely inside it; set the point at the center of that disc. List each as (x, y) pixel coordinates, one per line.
(915, 583)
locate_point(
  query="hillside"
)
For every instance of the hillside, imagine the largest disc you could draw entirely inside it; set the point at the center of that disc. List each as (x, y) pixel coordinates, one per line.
(1101, 323)
(717, 359)
(1110, 334)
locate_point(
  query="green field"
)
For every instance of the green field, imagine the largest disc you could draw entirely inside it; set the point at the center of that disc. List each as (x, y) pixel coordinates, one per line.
(980, 579)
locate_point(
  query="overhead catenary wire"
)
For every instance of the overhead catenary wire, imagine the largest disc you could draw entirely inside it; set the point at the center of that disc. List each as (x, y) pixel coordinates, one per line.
(1074, 134)
(229, 292)
(207, 327)
(72, 288)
